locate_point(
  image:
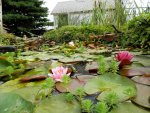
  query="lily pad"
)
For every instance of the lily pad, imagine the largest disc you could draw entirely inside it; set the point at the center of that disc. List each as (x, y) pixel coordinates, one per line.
(143, 95)
(29, 90)
(128, 107)
(130, 72)
(71, 87)
(57, 104)
(13, 103)
(142, 80)
(110, 83)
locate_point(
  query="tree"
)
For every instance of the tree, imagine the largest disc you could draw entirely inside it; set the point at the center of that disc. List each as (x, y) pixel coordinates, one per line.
(23, 17)
(1, 22)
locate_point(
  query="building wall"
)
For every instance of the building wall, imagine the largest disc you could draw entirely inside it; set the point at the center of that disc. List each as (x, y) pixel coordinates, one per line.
(79, 18)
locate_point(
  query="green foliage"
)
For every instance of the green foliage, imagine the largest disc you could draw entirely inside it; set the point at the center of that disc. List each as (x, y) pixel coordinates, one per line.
(104, 14)
(49, 83)
(20, 21)
(114, 66)
(138, 30)
(69, 97)
(45, 89)
(73, 33)
(7, 39)
(13, 103)
(101, 107)
(111, 99)
(130, 91)
(86, 105)
(66, 80)
(101, 65)
(80, 93)
(9, 65)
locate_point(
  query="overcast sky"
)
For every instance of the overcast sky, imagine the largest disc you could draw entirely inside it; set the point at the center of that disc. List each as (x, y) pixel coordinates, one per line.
(50, 4)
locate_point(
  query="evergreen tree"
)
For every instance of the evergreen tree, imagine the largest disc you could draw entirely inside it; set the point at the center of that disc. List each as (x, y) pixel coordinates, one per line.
(24, 16)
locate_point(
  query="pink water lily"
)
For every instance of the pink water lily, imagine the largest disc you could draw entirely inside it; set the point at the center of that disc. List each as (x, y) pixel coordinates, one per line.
(58, 73)
(124, 57)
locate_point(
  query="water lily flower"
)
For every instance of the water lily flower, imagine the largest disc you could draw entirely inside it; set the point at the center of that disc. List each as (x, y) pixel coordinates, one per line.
(58, 73)
(124, 57)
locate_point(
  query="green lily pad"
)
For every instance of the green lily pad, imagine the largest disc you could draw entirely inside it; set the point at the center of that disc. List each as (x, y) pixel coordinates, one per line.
(27, 90)
(144, 60)
(143, 95)
(3, 65)
(127, 107)
(109, 83)
(57, 104)
(13, 103)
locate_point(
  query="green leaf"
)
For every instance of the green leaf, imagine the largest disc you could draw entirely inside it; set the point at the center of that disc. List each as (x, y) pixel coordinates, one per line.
(13, 103)
(128, 108)
(57, 104)
(108, 84)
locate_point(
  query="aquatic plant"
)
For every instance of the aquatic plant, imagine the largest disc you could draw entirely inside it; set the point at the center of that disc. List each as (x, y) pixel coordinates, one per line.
(114, 66)
(101, 107)
(45, 89)
(80, 93)
(87, 106)
(69, 97)
(58, 73)
(111, 99)
(101, 65)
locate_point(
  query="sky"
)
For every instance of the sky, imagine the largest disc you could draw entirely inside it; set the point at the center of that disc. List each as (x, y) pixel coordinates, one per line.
(50, 4)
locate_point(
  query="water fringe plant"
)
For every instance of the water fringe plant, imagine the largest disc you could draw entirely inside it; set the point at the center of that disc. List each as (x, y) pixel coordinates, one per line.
(101, 65)
(111, 99)
(101, 107)
(80, 93)
(45, 89)
(86, 106)
(114, 66)
(66, 80)
(69, 97)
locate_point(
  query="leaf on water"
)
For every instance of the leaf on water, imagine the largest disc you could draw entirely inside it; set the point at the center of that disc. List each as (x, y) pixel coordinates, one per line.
(71, 87)
(57, 104)
(143, 95)
(13, 103)
(142, 80)
(127, 107)
(108, 83)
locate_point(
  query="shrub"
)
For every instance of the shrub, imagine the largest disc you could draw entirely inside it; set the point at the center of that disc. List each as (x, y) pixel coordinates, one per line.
(139, 30)
(72, 33)
(7, 39)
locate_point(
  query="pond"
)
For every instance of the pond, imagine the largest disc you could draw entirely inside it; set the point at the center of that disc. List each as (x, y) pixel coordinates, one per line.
(92, 81)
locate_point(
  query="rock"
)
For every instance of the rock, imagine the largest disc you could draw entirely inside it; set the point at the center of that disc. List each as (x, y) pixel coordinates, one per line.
(4, 49)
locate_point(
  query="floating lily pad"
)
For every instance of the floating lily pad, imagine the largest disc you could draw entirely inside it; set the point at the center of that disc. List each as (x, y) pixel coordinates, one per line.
(142, 80)
(127, 107)
(13, 103)
(71, 87)
(110, 83)
(130, 72)
(143, 59)
(57, 104)
(3, 65)
(143, 95)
